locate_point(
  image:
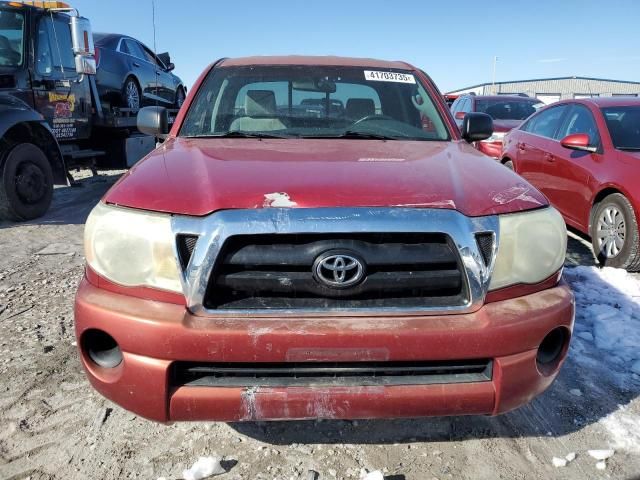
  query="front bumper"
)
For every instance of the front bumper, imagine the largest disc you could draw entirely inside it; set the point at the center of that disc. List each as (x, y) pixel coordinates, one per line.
(153, 335)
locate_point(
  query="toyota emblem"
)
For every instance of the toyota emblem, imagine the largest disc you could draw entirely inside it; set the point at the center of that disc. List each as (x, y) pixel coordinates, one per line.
(338, 270)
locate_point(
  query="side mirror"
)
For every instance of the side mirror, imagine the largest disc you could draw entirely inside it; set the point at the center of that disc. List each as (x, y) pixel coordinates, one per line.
(460, 115)
(578, 141)
(153, 121)
(83, 47)
(171, 67)
(476, 126)
(86, 65)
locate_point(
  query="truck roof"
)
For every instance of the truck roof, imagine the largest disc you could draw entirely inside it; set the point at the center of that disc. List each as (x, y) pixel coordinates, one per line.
(40, 4)
(315, 60)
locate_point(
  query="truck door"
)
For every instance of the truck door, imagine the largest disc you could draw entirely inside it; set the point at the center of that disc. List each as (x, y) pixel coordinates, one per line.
(59, 96)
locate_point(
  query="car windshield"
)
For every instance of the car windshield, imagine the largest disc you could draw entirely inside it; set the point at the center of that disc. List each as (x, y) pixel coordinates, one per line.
(624, 126)
(11, 38)
(314, 102)
(508, 109)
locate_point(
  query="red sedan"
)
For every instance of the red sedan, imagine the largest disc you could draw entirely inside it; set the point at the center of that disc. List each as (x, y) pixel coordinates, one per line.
(584, 155)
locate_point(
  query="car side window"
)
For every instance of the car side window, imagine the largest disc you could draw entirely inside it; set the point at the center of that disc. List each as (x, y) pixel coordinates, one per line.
(545, 123)
(52, 58)
(458, 105)
(465, 105)
(150, 57)
(122, 46)
(134, 48)
(580, 120)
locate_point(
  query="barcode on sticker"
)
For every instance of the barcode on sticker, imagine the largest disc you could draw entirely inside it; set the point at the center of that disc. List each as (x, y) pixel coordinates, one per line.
(378, 76)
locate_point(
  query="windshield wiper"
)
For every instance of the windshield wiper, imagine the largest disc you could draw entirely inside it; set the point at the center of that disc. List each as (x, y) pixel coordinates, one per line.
(240, 134)
(357, 135)
(629, 149)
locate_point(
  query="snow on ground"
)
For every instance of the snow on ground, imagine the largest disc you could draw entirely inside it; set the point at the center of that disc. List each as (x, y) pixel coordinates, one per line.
(608, 311)
(607, 341)
(203, 468)
(623, 427)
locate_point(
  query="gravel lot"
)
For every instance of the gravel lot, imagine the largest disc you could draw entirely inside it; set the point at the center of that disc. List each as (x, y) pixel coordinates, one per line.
(53, 425)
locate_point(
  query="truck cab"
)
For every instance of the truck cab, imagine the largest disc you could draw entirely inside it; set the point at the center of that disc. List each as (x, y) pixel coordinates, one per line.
(51, 118)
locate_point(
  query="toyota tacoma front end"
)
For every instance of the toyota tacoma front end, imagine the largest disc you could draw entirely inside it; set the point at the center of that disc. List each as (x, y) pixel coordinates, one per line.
(315, 240)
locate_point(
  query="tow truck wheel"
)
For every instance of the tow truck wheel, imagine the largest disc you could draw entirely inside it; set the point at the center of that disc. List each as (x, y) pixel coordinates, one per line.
(26, 185)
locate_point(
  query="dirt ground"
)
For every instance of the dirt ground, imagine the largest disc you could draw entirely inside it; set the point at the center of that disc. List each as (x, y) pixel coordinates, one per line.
(53, 425)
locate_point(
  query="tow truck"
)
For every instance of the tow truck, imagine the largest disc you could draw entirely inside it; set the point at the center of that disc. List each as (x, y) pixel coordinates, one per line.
(51, 118)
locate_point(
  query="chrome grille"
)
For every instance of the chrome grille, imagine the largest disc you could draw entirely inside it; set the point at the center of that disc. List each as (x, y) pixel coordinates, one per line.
(431, 238)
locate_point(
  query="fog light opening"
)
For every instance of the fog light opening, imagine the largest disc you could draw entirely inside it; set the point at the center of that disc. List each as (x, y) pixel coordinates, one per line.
(552, 350)
(102, 349)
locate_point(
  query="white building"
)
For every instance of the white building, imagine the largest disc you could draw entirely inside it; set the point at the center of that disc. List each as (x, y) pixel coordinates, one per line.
(550, 90)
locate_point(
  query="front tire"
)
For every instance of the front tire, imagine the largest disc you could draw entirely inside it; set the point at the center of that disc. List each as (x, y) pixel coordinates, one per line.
(614, 233)
(26, 185)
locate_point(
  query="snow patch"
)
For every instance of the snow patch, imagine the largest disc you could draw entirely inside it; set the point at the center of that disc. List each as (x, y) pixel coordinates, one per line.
(624, 429)
(375, 475)
(559, 462)
(278, 200)
(203, 468)
(601, 454)
(607, 341)
(608, 301)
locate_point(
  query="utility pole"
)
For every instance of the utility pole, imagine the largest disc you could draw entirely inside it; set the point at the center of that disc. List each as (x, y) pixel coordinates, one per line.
(493, 82)
(155, 47)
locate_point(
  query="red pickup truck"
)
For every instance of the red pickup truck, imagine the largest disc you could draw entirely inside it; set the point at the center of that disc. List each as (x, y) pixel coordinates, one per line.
(316, 238)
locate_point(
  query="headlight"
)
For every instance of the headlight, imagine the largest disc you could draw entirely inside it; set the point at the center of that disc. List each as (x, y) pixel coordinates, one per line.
(132, 248)
(532, 247)
(496, 137)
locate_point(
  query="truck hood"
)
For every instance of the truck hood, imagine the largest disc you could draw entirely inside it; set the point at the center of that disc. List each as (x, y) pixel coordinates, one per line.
(199, 176)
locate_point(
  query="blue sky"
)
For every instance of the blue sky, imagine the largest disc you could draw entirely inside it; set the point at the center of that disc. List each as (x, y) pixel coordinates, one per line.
(453, 41)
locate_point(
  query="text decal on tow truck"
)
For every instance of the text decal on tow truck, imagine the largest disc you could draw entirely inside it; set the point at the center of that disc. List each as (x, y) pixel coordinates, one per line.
(378, 76)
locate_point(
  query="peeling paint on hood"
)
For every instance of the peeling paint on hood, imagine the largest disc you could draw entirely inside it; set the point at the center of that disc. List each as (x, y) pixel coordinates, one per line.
(518, 192)
(278, 200)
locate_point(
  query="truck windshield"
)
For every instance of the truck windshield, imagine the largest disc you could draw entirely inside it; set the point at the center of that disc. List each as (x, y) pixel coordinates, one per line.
(624, 126)
(11, 38)
(314, 102)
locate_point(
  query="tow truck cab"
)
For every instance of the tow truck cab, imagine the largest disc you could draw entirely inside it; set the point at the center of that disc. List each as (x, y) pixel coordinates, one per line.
(51, 119)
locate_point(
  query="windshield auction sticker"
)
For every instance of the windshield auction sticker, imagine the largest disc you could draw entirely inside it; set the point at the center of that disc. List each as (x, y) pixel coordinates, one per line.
(377, 76)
